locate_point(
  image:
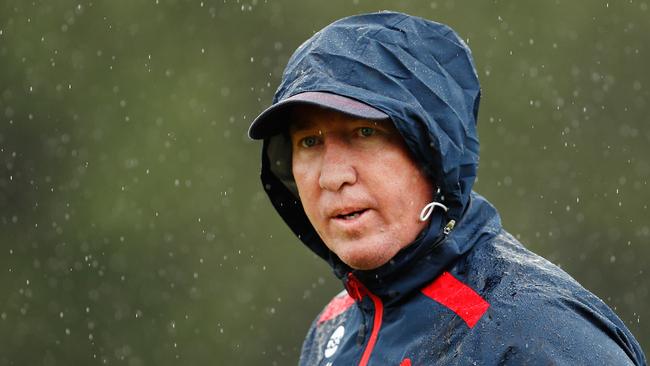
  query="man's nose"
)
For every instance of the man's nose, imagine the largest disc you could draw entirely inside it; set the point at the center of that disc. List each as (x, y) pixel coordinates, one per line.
(337, 168)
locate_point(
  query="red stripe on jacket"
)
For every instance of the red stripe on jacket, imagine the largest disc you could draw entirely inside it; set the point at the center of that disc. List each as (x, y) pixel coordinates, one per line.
(458, 297)
(336, 307)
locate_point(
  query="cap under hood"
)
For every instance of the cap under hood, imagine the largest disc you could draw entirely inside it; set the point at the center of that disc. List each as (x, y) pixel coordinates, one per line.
(419, 73)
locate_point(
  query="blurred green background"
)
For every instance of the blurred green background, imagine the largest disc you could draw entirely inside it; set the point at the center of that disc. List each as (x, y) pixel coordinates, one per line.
(133, 228)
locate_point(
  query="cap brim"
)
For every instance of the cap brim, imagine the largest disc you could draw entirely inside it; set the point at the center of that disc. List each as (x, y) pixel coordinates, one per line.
(275, 119)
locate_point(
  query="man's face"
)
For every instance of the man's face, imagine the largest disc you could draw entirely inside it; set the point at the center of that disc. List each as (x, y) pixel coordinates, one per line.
(360, 187)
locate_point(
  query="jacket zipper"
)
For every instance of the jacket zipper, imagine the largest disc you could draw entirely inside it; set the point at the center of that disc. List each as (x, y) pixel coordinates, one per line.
(357, 290)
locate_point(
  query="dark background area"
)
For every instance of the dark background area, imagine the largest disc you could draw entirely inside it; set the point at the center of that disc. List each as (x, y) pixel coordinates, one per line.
(134, 230)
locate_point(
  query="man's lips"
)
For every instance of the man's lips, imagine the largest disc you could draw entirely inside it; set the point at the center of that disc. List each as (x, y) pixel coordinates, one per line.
(351, 214)
(347, 213)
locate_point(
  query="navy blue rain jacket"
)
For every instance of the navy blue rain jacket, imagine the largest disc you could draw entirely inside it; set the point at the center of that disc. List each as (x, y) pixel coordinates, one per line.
(473, 297)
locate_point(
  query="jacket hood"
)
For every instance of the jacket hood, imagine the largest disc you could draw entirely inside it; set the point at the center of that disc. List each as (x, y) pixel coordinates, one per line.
(418, 72)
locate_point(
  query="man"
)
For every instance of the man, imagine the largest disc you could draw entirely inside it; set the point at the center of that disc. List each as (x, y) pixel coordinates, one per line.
(370, 153)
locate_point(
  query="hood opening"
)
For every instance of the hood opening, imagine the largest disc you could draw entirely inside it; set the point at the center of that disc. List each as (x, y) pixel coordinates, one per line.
(419, 73)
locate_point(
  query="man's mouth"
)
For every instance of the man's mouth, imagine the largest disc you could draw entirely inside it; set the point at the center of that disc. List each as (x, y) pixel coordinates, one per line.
(351, 215)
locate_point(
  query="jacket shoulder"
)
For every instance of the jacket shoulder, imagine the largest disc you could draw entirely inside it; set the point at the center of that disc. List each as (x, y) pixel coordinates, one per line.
(539, 312)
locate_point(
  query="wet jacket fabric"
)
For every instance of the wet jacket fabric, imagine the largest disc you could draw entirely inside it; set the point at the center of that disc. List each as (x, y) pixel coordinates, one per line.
(470, 296)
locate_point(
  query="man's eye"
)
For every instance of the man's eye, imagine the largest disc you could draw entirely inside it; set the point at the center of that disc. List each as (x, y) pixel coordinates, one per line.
(366, 131)
(309, 141)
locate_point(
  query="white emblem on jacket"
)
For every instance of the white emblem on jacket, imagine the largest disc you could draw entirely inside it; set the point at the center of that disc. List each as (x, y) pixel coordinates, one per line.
(333, 343)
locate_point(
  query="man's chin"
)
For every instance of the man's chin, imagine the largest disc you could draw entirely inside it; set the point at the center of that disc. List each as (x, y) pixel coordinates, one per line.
(363, 252)
(365, 261)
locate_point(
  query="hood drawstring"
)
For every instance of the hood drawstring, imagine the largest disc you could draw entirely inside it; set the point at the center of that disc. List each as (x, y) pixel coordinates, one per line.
(428, 210)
